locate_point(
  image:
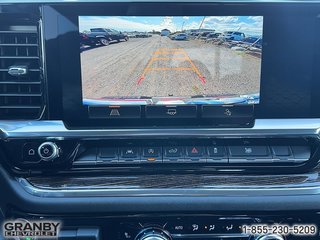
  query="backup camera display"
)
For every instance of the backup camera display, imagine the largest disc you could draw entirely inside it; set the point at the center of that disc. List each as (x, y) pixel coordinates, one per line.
(170, 60)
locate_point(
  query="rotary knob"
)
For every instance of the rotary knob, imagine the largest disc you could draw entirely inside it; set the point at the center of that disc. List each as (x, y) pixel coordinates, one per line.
(48, 151)
(270, 237)
(153, 233)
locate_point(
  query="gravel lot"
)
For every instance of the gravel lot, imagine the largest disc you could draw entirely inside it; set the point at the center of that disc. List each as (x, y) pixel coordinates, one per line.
(115, 70)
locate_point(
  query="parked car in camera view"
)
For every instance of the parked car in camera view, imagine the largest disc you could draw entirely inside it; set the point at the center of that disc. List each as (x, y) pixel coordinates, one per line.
(212, 35)
(179, 36)
(204, 35)
(143, 35)
(86, 40)
(102, 36)
(253, 41)
(232, 36)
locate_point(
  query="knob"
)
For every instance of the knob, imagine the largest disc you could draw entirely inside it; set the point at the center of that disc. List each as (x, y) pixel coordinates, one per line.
(48, 151)
(270, 237)
(153, 233)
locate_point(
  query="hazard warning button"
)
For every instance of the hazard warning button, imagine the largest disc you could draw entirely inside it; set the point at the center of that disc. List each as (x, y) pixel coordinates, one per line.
(115, 112)
(195, 151)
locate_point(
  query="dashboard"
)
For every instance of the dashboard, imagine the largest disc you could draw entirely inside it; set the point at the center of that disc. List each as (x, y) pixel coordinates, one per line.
(159, 120)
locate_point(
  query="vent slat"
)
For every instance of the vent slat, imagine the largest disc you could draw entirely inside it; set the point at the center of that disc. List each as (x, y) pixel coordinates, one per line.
(18, 57)
(17, 82)
(18, 45)
(30, 70)
(20, 96)
(19, 107)
(19, 32)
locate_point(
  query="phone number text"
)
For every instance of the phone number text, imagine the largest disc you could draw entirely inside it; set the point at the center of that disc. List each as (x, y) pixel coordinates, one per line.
(281, 229)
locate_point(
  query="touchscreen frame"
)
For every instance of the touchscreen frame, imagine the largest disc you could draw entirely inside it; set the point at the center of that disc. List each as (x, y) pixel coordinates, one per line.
(61, 44)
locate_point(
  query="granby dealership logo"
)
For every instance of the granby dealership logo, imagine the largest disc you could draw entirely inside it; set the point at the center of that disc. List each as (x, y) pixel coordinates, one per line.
(22, 228)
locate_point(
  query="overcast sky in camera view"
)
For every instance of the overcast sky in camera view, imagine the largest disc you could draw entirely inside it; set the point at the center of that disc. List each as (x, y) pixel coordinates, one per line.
(250, 25)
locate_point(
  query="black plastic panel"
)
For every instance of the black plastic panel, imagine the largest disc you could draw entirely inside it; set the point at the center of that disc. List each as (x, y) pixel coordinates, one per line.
(287, 76)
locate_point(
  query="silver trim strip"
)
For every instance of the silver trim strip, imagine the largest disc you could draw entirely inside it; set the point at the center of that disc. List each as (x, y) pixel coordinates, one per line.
(183, 192)
(262, 128)
(43, 69)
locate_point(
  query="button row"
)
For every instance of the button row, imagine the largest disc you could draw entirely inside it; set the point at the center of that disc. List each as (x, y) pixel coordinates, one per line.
(179, 111)
(214, 227)
(194, 228)
(195, 154)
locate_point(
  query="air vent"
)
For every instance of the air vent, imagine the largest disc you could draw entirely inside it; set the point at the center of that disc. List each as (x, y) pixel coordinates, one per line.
(21, 95)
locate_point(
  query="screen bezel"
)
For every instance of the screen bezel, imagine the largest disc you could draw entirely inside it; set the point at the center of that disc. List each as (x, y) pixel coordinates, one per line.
(65, 71)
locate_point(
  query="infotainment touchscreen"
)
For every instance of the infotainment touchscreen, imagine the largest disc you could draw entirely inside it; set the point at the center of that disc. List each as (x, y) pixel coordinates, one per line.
(170, 60)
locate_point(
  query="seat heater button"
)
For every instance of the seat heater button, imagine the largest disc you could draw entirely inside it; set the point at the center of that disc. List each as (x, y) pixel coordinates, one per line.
(151, 155)
(249, 154)
(151, 152)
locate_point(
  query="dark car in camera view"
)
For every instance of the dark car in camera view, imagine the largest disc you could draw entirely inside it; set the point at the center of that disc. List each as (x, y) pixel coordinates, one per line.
(102, 36)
